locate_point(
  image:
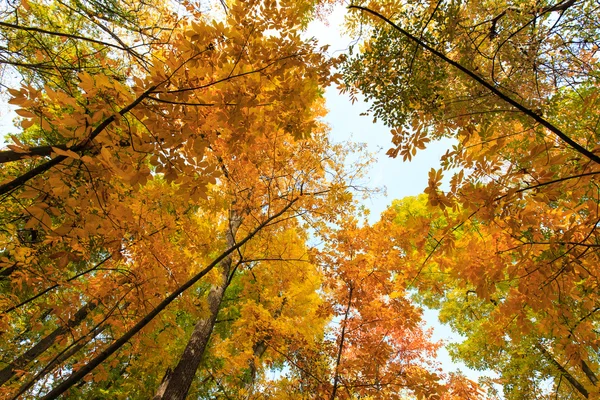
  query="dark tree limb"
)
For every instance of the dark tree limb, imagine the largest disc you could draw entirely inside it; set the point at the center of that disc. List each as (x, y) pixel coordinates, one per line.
(74, 348)
(20, 180)
(38, 151)
(570, 378)
(43, 292)
(530, 113)
(589, 373)
(11, 369)
(60, 34)
(336, 377)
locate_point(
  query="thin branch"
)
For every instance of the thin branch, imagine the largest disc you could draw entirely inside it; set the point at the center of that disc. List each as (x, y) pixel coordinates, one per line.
(61, 34)
(43, 292)
(95, 267)
(230, 77)
(336, 376)
(550, 183)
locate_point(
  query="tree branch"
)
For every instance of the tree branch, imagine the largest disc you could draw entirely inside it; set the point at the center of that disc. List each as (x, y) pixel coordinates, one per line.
(574, 382)
(15, 183)
(541, 120)
(61, 34)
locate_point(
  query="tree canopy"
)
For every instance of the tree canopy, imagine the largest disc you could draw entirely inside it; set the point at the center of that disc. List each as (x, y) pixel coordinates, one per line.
(176, 222)
(510, 255)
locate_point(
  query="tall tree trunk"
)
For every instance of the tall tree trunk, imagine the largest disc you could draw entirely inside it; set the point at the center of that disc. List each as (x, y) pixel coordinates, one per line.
(336, 376)
(20, 362)
(259, 349)
(60, 359)
(176, 383)
(570, 378)
(589, 373)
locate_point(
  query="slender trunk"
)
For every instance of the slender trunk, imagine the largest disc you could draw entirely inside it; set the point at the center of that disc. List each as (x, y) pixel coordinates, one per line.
(20, 362)
(61, 358)
(589, 373)
(336, 377)
(259, 349)
(570, 378)
(177, 382)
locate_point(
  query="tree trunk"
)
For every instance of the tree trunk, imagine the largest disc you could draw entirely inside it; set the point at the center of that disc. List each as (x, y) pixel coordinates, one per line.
(176, 383)
(19, 363)
(259, 349)
(336, 376)
(574, 382)
(589, 373)
(60, 359)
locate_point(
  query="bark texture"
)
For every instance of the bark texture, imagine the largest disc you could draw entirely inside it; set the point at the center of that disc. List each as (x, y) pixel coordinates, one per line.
(177, 382)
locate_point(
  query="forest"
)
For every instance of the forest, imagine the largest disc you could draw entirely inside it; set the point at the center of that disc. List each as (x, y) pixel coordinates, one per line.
(177, 223)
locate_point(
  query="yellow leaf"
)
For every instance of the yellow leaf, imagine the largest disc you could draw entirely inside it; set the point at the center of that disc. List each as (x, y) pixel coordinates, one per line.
(87, 82)
(16, 149)
(66, 153)
(105, 153)
(26, 123)
(25, 113)
(29, 193)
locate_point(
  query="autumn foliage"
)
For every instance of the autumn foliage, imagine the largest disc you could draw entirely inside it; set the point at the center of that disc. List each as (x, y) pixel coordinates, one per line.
(177, 224)
(510, 254)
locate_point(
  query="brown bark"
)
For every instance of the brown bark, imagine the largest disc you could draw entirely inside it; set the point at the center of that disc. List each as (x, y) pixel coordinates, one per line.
(570, 378)
(177, 382)
(589, 373)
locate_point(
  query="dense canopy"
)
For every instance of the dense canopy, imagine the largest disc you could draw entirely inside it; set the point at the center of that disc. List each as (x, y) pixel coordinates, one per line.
(175, 221)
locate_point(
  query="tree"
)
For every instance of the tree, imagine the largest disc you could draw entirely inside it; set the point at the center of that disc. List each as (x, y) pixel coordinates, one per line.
(109, 174)
(373, 354)
(516, 84)
(167, 171)
(472, 300)
(161, 220)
